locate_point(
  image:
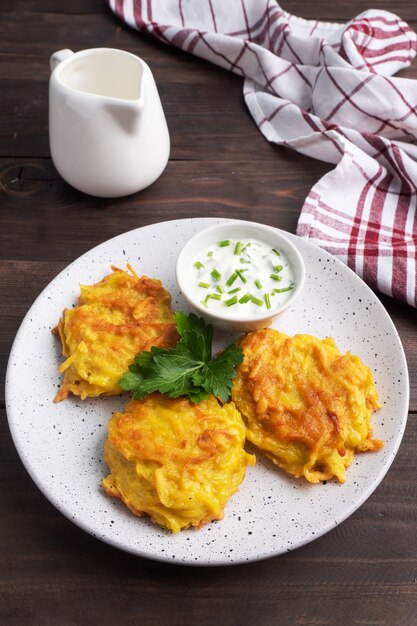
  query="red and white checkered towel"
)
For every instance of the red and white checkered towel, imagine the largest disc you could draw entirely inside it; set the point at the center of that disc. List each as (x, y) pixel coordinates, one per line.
(325, 90)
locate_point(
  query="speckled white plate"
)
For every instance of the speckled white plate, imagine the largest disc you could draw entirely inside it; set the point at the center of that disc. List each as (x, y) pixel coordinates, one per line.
(61, 444)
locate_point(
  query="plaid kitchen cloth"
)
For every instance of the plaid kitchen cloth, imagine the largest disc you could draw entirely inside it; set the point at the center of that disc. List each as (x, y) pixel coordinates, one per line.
(327, 91)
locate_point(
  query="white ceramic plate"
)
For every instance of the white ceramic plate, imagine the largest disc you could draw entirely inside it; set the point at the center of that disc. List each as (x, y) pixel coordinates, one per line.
(61, 444)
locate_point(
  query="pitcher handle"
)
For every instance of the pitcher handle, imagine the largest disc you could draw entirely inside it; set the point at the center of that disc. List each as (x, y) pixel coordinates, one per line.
(59, 56)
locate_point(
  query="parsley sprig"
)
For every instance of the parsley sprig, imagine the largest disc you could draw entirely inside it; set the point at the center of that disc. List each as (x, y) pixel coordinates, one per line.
(186, 370)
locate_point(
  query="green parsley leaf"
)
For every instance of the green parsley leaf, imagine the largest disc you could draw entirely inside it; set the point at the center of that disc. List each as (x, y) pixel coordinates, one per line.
(217, 375)
(186, 370)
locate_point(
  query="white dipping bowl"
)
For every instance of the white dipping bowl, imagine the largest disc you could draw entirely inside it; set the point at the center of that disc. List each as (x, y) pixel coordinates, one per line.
(238, 229)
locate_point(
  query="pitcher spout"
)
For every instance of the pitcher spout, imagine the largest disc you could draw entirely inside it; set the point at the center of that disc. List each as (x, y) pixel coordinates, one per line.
(126, 114)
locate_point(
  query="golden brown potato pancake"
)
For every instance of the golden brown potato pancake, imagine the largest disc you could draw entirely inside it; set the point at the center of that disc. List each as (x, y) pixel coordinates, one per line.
(176, 461)
(306, 406)
(114, 320)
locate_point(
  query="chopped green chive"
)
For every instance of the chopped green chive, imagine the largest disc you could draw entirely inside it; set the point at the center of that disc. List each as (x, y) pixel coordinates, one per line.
(231, 279)
(219, 286)
(241, 276)
(238, 248)
(215, 274)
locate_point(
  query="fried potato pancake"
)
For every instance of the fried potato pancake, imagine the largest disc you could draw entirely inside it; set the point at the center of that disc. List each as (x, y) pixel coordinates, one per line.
(114, 321)
(305, 405)
(176, 461)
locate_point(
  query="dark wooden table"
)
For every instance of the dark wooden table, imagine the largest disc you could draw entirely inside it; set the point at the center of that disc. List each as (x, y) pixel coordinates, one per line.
(51, 572)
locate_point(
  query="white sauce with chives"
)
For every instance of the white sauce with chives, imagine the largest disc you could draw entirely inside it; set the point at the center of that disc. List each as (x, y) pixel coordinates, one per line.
(242, 278)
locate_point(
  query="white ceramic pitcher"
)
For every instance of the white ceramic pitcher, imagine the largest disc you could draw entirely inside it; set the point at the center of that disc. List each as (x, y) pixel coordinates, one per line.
(107, 130)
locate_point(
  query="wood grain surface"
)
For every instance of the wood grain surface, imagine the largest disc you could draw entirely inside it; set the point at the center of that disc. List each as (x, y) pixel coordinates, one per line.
(364, 572)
